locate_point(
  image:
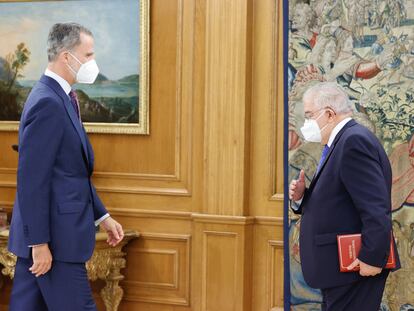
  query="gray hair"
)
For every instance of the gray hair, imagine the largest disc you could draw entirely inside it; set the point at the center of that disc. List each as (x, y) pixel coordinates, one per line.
(64, 36)
(329, 94)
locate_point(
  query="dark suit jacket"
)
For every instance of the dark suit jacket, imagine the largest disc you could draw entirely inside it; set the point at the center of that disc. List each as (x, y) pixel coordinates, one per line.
(56, 202)
(350, 194)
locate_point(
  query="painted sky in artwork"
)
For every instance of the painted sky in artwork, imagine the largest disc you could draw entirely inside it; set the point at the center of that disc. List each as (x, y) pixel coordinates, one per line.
(114, 23)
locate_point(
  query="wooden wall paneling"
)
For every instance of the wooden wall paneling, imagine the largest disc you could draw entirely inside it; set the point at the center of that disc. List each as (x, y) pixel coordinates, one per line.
(8, 157)
(161, 255)
(267, 263)
(222, 253)
(279, 111)
(266, 192)
(5, 294)
(275, 273)
(227, 105)
(8, 164)
(177, 189)
(138, 306)
(8, 194)
(161, 273)
(160, 164)
(266, 170)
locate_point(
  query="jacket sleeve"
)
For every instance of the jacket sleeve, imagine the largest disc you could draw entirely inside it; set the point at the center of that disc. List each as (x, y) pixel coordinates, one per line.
(38, 145)
(298, 207)
(99, 209)
(362, 174)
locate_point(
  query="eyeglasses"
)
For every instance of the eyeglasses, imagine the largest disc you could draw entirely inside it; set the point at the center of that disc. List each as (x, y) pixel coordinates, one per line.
(311, 114)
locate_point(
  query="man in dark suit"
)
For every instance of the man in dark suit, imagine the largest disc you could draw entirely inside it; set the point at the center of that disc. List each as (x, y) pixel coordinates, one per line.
(350, 193)
(57, 207)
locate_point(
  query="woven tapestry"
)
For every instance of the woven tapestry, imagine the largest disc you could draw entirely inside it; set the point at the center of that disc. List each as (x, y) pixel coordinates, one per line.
(366, 46)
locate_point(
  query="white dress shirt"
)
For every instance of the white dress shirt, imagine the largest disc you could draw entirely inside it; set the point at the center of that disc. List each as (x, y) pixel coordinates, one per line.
(336, 130)
(62, 82)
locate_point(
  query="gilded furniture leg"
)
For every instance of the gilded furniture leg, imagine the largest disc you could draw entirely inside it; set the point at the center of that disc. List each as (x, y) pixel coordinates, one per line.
(7, 264)
(112, 293)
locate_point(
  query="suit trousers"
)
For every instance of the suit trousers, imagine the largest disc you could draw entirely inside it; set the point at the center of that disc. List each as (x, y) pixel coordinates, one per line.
(364, 295)
(64, 288)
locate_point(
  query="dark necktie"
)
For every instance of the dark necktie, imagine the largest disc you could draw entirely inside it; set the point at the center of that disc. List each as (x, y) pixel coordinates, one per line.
(75, 102)
(323, 157)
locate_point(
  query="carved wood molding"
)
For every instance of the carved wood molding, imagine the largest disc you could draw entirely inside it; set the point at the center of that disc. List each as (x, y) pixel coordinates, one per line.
(177, 215)
(269, 221)
(176, 292)
(276, 107)
(237, 220)
(208, 234)
(156, 214)
(271, 274)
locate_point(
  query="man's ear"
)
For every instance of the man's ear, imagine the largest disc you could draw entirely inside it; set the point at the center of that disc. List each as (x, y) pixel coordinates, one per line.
(331, 113)
(64, 57)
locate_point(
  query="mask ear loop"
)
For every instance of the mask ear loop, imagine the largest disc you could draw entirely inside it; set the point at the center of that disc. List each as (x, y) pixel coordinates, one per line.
(321, 115)
(75, 58)
(70, 67)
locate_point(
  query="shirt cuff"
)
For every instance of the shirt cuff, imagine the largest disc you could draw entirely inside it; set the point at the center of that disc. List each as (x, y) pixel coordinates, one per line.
(295, 204)
(97, 222)
(36, 245)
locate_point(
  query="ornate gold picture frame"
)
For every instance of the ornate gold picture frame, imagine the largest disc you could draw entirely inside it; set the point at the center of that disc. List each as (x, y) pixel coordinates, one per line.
(118, 102)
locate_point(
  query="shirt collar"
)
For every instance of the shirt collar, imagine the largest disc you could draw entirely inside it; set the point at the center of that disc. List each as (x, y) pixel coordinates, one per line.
(62, 82)
(336, 130)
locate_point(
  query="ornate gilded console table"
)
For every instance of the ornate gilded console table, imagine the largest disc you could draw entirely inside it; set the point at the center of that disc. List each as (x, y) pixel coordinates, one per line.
(106, 264)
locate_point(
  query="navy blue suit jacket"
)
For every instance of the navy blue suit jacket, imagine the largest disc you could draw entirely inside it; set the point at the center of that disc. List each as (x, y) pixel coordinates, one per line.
(56, 202)
(351, 193)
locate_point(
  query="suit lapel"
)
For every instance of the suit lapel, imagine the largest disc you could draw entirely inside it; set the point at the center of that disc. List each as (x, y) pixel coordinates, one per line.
(331, 149)
(69, 109)
(90, 151)
(76, 123)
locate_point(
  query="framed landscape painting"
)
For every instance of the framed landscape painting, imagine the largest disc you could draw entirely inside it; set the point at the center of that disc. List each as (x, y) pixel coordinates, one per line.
(118, 101)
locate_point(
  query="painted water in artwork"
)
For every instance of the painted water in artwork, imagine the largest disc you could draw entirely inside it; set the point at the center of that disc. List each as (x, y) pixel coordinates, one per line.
(24, 28)
(367, 46)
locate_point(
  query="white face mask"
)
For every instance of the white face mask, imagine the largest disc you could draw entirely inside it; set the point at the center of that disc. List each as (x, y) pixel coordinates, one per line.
(311, 131)
(87, 72)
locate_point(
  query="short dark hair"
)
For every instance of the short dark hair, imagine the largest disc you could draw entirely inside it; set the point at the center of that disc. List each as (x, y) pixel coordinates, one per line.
(64, 36)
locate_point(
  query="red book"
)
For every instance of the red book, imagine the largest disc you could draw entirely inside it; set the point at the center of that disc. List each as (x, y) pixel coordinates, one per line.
(348, 250)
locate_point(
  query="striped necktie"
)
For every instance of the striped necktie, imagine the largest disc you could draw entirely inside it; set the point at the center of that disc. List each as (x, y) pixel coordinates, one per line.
(75, 103)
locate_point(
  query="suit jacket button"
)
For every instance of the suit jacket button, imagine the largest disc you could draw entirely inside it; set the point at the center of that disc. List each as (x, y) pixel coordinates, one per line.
(26, 230)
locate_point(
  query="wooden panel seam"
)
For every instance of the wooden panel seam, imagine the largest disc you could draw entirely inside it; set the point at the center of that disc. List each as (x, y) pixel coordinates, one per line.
(173, 285)
(271, 271)
(176, 215)
(204, 263)
(182, 301)
(277, 109)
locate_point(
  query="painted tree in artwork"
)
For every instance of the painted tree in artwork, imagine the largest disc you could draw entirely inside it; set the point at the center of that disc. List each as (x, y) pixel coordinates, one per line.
(16, 62)
(11, 68)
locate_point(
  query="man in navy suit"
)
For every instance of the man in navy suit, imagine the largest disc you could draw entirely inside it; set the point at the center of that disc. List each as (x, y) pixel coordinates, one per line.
(350, 193)
(57, 207)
